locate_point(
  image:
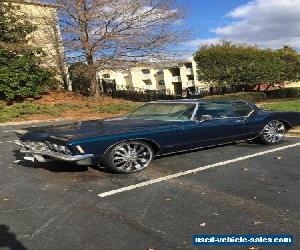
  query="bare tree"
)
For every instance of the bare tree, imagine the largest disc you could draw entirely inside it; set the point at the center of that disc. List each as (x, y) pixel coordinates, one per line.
(103, 33)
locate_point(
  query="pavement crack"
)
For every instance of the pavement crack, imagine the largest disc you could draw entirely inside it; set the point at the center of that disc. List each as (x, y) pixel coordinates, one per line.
(42, 228)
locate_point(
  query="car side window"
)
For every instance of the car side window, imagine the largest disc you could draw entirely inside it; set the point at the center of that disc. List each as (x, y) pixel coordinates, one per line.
(241, 109)
(224, 110)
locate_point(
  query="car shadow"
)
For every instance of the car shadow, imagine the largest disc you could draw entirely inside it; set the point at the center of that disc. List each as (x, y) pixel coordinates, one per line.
(9, 239)
(57, 166)
(52, 166)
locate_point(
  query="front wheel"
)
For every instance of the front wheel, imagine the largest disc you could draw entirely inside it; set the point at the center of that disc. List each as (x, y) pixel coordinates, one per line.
(128, 157)
(273, 132)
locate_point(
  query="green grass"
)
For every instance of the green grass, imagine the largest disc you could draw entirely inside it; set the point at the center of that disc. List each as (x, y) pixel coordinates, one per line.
(26, 109)
(283, 106)
(114, 108)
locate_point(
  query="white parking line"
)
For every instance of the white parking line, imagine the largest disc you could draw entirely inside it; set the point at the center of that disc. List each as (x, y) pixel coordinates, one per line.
(192, 171)
(14, 141)
(19, 131)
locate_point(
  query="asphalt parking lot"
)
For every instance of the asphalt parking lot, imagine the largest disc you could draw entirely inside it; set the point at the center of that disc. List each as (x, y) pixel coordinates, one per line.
(235, 189)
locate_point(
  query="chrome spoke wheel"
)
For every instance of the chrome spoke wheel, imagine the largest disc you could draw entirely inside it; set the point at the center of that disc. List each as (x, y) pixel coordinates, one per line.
(273, 132)
(131, 156)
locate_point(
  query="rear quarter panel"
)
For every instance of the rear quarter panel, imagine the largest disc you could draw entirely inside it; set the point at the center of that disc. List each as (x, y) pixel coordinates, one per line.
(292, 119)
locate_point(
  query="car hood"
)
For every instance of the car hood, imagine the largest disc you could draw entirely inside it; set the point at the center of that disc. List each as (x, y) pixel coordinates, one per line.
(94, 128)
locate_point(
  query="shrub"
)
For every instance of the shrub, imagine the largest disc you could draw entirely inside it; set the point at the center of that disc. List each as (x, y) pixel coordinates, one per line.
(246, 96)
(21, 73)
(80, 78)
(283, 93)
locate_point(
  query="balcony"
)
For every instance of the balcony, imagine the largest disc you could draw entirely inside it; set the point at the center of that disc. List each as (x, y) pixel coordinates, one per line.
(126, 75)
(146, 77)
(191, 83)
(189, 71)
(176, 79)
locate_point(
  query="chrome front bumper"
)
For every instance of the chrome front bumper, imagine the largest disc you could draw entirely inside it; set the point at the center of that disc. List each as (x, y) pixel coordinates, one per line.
(45, 156)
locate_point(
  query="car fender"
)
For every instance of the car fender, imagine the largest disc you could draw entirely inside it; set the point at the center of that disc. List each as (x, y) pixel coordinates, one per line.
(152, 143)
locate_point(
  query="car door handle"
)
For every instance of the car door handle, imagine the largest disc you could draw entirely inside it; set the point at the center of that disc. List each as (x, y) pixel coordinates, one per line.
(240, 121)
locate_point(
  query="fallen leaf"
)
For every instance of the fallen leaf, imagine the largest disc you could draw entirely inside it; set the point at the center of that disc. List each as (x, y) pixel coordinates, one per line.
(202, 224)
(256, 223)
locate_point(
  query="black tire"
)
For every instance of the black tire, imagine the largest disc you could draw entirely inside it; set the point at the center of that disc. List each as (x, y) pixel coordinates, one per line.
(128, 157)
(272, 133)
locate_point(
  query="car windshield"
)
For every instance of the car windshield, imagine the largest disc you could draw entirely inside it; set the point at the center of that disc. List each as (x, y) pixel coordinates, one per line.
(164, 111)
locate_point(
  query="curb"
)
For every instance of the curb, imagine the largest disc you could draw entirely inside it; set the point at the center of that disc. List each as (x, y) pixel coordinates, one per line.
(295, 130)
(33, 121)
(45, 121)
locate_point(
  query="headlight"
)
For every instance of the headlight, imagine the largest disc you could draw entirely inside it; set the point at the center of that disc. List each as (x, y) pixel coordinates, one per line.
(58, 148)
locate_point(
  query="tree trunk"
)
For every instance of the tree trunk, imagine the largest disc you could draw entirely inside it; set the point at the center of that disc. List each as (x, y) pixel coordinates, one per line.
(259, 87)
(269, 86)
(94, 87)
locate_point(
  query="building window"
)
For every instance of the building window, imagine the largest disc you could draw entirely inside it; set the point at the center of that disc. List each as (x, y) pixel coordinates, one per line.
(146, 71)
(161, 83)
(191, 77)
(148, 82)
(175, 71)
(160, 72)
(106, 76)
(189, 65)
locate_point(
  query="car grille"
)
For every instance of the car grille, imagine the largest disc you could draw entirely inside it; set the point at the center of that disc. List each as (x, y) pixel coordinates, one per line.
(38, 146)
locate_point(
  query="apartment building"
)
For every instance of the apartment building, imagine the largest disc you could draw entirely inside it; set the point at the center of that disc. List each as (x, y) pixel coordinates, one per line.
(172, 79)
(47, 36)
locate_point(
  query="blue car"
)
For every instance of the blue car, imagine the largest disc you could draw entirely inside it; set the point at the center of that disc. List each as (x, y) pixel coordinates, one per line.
(129, 143)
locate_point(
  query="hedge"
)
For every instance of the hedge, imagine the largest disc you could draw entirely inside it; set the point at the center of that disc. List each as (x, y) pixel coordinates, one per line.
(283, 93)
(247, 96)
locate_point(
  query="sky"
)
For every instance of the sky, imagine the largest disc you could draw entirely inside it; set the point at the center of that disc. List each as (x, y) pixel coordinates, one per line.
(265, 23)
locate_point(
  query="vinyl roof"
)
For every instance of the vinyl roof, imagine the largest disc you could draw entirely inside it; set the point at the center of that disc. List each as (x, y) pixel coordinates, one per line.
(197, 100)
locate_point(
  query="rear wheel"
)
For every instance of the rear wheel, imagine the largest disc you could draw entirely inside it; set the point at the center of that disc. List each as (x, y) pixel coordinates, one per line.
(128, 157)
(273, 132)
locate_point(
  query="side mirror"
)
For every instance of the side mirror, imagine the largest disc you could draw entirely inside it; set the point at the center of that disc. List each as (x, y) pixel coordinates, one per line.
(203, 118)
